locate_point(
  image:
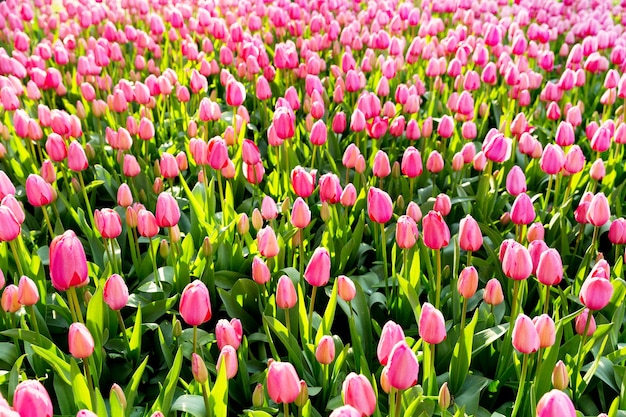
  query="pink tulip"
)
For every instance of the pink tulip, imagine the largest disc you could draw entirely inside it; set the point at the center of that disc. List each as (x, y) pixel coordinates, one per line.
(115, 292)
(303, 182)
(325, 351)
(598, 212)
(76, 157)
(38, 191)
(496, 147)
(517, 263)
(10, 225)
(167, 211)
(124, 196)
(555, 403)
(260, 271)
(468, 282)
(535, 231)
(108, 223)
(346, 411)
(269, 211)
(379, 205)
(435, 230)
(10, 303)
(168, 165)
(330, 188)
(525, 337)
(414, 211)
(470, 236)
(445, 129)
(195, 304)
(617, 231)
(147, 224)
(402, 367)
(300, 214)
(406, 232)
(596, 292)
(348, 196)
(217, 153)
(131, 166)
(522, 211)
(319, 133)
(432, 326)
(267, 243)
(345, 288)
(228, 333)
(31, 399)
(286, 296)
(411, 165)
(381, 167)
(68, 264)
(283, 384)
(516, 181)
(358, 392)
(391, 334)
(80, 341)
(27, 292)
(235, 93)
(317, 272)
(545, 329)
(434, 163)
(550, 268)
(552, 159)
(228, 358)
(581, 322)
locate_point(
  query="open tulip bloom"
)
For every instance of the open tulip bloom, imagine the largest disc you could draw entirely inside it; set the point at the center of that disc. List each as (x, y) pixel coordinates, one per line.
(325, 208)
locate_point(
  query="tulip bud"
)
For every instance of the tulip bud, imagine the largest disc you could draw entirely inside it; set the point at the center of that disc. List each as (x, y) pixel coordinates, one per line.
(325, 351)
(177, 328)
(303, 396)
(243, 225)
(164, 248)
(257, 219)
(198, 369)
(560, 378)
(258, 396)
(119, 393)
(444, 399)
(207, 248)
(493, 292)
(325, 212)
(80, 341)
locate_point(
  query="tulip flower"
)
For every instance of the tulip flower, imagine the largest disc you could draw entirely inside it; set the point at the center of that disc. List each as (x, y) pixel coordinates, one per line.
(402, 367)
(283, 384)
(560, 377)
(228, 358)
(470, 236)
(260, 271)
(80, 341)
(267, 243)
(228, 333)
(108, 223)
(38, 191)
(302, 182)
(10, 225)
(435, 231)
(27, 292)
(411, 162)
(526, 340)
(598, 212)
(31, 399)
(596, 292)
(300, 214)
(68, 264)
(544, 325)
(406, 232)
(358, 392)
(493, 292)
(432, 326)
(516, 181)
(345, 288)
(167, 211)
(325, 351)
(286, 296)
(391, 334)
(115, 292)
(195, 304)
(442, 204)
(468, 282)
(555, 403)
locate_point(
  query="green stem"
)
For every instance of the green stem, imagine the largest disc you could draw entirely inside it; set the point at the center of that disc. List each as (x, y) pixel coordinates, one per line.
(87, 202)
(515, 303)
(18, 263)
(392, 402)
(398, 402)
(383, 247)
(463, 315)
(438, 283)
(123, 328)
(520, 391)
(89, 381)
(546, 301)
(33, 319)
(205, 396)
(286, 409)
(195, 338)
(581, 357)
(311, 307)
(44, 210)
(222, 198)
(287, 320)
(71, 295)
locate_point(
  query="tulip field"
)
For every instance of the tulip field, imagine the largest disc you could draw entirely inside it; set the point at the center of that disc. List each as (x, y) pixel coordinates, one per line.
(312, 208)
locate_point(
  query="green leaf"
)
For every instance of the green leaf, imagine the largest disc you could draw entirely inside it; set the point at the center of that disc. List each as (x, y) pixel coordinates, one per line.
(462, 356)
(486, 337)
(97, 313)
(14, 376)
(59, 364)
(293, 348)
(164, 402)
(117, 408)
(135, 338)
(329, 315)
(131, 389)
(82, 397)
(218, 398)
(192, 404)
(8, 353)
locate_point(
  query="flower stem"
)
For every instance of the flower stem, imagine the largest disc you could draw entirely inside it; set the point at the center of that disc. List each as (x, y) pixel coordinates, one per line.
(33, 319)
(44, 210)
(153, 254)
(123, 328)
(195, 338)
(16, 257)
(87, 202)
(313, 293)
(287, 320)
(438, 283)
(383, 247)
(286, 408)
(463, 315)
(580, 358)
(546, 302)
(520, 391)
(205, 396)
(89, 380)
(73, 299)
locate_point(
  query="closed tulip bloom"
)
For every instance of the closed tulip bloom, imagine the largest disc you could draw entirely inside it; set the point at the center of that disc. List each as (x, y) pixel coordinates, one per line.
(131, 167)
(496, 147)
(403, 367)
(470, 236)
(228, 333)
(550, 268)
(345, 288)
(147, 224)
(300, 214)
(525, 337)
(235, 93)
(411, 165)
(267, 243)
(560, 377)
(76, 157)
(10, 225)
(358, 392)
(617, 232)
(38, 191)
(115, 292)
(446, 127)
(598, 212)
(68, 264)
(552, 159)
(406, 232)
(434, 163)
(325, 351)
(286, 296)
(168, 165)
(6, 186)
(522, 211)
(536, 231)
(555, 403)
(432, 326)
(260, 271)
(546, 330)
(10, 303)
(269, 210)
(302, 182)
(381, 167)
(319, 133)
(217, 153)
(516, 181)
(565, 134)
(574, 160)
(124, 196)
(581, 322)
(108, 223)
(435, 231)
(348, 196)
(596, 292)
(283, 384)
(15, 206)
(317, 272)
(517, 263)
(31, 399)
(597, 170)
(330, 188)
(391, 334)
(27, 292)
(379, 205)
(198, 369)
(414, 211)
(493, 292)
(346, 411)
(228, 358)
(468, 282)
(195, 304)
(80, 341)
(167, 211)
(601, 140)
(536, 248)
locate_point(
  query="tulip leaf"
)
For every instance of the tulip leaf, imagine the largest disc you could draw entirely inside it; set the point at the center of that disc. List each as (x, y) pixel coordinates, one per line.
(135, 338)
(192, 404)
(234, 309)
(218, 398)
(131, 389)
(64, 395)
(8, 354)
(329, 315)
(82, 396)
(14, 376)
(462, 356)
(97, 316)
(293, 348)
(117, 408)
(409, 292)
(164, 401)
